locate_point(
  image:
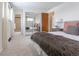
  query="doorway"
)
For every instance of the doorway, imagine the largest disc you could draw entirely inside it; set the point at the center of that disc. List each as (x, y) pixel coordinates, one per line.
(29, 25)
(17, 23)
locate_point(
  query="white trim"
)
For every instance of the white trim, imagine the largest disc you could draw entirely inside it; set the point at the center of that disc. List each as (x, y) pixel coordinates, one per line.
(41, 24)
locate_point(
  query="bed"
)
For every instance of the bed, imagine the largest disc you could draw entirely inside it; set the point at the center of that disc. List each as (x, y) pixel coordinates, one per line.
(56, 45)
(59, 43)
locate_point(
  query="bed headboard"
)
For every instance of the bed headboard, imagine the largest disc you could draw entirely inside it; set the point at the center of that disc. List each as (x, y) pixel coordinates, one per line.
(71, 27)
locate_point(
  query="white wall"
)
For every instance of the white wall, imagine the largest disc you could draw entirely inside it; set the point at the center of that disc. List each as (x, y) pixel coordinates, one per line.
(67, 12)
(38, 19)
(9, 18)
(23, 23)
(11, 24)
(0, 26)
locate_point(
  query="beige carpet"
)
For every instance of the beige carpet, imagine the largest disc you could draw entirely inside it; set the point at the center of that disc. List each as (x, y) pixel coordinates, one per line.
(22, 46)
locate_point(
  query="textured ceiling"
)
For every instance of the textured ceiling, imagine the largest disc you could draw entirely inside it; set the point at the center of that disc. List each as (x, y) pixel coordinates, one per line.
(36, 6)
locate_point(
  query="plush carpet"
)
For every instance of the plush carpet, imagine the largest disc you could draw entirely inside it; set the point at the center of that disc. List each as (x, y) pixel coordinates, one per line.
(22, 46)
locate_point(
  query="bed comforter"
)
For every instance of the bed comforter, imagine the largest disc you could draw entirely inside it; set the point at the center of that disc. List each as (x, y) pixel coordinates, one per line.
(55, 45)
